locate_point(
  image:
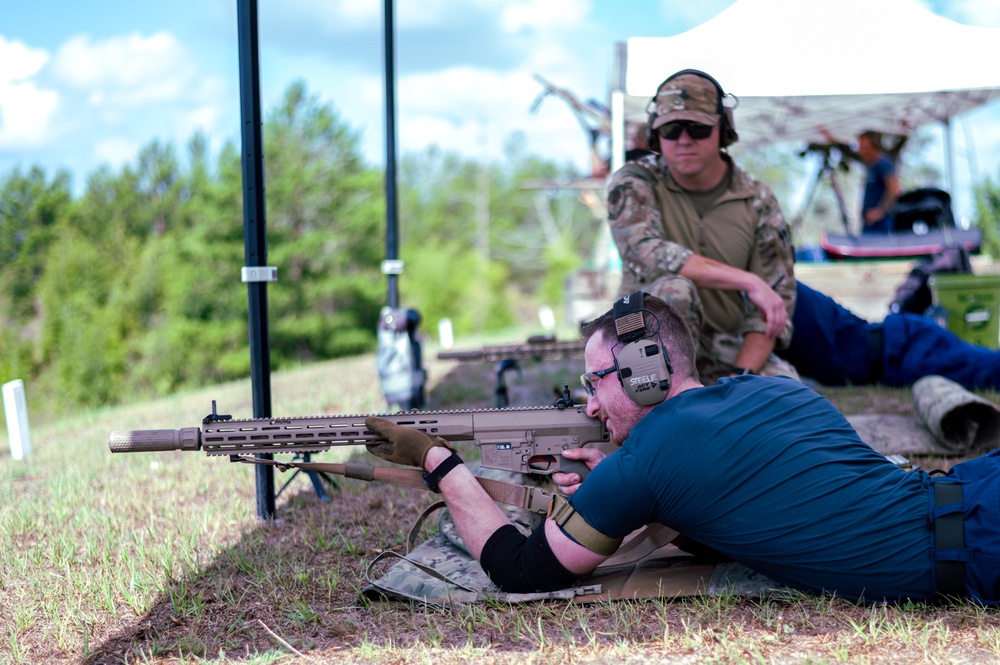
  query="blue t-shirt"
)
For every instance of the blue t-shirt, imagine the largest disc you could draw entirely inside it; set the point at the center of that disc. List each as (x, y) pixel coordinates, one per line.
(875, 186)
(769, 473)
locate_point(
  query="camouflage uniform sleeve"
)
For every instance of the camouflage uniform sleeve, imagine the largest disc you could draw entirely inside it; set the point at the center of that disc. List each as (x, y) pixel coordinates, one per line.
(637, 229)
(772, 260)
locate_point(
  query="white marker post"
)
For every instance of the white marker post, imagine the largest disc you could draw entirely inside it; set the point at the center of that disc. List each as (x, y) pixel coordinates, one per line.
(547, 317)
(445, 335)
(16, 412)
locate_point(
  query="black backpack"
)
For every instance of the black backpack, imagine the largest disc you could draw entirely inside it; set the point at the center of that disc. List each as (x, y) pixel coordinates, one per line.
(914, 295)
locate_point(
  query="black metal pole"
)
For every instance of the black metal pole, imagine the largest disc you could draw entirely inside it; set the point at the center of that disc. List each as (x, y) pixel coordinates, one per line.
(255, 237)
(391, 214)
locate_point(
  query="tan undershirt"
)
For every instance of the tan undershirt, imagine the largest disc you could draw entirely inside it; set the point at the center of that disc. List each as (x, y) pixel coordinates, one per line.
(703, 201)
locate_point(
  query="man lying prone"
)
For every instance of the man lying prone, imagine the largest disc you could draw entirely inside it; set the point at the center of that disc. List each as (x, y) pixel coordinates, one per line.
(760, 469)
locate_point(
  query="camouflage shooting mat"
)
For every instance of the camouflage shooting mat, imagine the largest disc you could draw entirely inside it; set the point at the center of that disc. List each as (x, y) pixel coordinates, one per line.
(441, 573)
(950, 421)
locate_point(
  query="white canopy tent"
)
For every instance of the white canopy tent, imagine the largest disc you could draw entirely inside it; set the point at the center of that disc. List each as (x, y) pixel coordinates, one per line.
(797, 65)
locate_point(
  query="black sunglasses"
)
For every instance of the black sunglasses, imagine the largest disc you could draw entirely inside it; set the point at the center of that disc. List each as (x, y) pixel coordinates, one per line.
(697, 131)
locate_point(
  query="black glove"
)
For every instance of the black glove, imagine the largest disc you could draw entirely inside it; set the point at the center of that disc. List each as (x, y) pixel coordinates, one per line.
(403, 445)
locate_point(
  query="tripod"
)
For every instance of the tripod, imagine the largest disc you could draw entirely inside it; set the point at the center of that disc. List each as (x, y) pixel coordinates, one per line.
(827, 169)
(316, 477)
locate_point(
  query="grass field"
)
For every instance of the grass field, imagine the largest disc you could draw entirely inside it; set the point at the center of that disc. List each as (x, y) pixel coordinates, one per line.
(159, 558)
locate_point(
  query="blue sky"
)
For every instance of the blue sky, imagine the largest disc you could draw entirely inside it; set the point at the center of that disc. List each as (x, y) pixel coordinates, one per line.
(87, 83)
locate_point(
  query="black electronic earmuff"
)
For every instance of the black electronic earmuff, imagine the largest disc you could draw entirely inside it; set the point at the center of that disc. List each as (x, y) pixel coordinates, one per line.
(727, 129)
(642, 364)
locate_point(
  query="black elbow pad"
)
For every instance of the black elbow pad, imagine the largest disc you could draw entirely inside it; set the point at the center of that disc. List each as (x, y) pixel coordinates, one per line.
(519, 564)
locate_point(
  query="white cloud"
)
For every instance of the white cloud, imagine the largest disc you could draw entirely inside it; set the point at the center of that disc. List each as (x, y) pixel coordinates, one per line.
(971, 12)
(134, 88)
(26, 113)
(543, 14)
(127, 70)
(349, 17)
(116, 151)
(462, 106)
(345, 16)
(463, 91)
(328, 16)
(692, 13)
(202, 118)
(26, 110)
(20, 61)
(474, 111)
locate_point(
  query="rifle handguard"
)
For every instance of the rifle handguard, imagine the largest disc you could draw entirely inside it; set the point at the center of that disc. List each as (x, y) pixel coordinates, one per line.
(155, 440)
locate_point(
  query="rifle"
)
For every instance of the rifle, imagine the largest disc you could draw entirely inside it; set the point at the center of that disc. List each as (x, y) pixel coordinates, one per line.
(523, 440)
(532, 350)
(537, 348)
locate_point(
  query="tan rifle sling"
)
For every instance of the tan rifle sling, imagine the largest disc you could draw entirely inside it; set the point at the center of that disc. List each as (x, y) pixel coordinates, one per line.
(532, 499)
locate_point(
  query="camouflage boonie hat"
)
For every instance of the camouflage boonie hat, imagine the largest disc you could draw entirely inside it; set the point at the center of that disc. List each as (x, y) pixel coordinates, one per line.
(686, 97)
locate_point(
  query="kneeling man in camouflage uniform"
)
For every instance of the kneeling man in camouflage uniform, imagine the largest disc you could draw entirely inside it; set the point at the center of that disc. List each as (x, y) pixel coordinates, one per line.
(703, 234)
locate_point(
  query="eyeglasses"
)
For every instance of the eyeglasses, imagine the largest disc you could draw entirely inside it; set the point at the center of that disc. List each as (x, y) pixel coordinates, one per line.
(589, 384)
(697, 131)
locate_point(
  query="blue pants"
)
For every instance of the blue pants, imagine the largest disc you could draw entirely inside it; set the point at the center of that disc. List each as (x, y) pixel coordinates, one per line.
(836, 347)
(980, 507)
(915, 346)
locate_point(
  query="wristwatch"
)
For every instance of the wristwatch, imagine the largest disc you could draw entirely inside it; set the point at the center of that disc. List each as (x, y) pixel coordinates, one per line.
(743, 371)
(432, 478)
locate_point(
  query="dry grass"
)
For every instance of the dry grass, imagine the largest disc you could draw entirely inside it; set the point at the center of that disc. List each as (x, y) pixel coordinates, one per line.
(159, 558)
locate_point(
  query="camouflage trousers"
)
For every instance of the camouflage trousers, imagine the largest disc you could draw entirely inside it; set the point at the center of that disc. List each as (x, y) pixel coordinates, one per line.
(716, 352)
